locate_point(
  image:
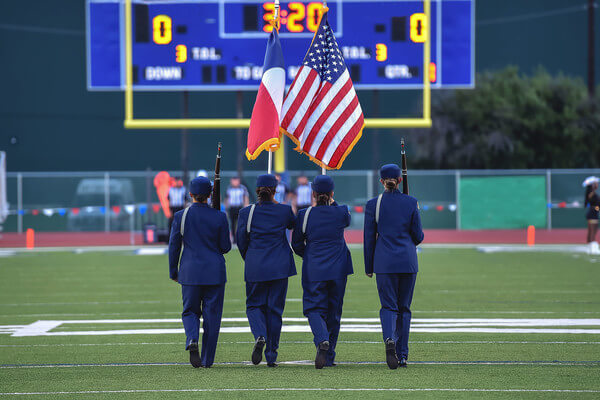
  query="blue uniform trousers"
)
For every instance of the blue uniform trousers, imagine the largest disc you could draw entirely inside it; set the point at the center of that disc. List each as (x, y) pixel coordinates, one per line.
(395, 293)
(204, 301)
(264, 307)
(322, 303)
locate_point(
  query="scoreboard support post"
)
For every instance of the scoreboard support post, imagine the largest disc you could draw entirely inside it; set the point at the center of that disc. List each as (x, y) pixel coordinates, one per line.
(184, 138)
(241, 123)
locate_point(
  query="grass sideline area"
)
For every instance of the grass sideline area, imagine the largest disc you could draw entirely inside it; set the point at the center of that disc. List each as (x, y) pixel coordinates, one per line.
(499, 297)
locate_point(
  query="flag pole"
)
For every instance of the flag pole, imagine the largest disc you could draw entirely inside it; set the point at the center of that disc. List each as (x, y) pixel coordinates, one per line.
(323, 170)
(276, 16)
(275, 26)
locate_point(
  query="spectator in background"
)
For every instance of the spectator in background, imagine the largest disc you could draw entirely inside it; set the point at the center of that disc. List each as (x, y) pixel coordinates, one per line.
(282, 192)
(177, 199)
(592, 206)
(237, 198)
(302, 194)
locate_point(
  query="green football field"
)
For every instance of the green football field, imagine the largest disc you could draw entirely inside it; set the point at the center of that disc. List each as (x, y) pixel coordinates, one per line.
(106, 325)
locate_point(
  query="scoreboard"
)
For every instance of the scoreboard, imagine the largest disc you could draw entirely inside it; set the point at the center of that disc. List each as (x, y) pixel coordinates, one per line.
(220, 44)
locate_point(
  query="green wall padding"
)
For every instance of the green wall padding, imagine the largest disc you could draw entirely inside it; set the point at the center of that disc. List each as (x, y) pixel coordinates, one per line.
(503, 202)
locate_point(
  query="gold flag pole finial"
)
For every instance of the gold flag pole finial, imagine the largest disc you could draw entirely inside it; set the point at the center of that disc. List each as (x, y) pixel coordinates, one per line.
(276, 16)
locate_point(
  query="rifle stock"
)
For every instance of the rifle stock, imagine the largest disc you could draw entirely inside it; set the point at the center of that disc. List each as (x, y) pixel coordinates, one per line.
(216, 193)
(404, 169)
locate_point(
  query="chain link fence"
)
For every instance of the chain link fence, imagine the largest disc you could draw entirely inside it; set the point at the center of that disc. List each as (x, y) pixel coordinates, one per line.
(126, 200)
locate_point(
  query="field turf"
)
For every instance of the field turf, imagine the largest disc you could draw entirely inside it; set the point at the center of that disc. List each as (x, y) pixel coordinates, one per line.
(520, 289)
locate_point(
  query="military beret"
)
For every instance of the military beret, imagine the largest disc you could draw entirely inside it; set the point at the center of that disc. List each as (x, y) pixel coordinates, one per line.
(389, 171)
(200, 186)
(323, 184)
(266, 180)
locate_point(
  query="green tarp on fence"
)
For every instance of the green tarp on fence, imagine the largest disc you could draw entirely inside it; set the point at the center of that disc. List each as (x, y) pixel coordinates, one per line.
(504, 202)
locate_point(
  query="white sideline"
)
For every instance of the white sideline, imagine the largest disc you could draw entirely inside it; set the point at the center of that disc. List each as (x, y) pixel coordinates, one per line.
(555, 248)
(568, 248)
(304, 390)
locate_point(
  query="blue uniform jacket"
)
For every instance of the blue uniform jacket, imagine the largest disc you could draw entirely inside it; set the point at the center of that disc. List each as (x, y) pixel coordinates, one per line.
(266, 250)
(323, 248)
(394, 250)
(205, 240)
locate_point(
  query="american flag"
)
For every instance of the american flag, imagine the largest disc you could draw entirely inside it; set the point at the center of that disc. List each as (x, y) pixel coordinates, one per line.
(321, 112)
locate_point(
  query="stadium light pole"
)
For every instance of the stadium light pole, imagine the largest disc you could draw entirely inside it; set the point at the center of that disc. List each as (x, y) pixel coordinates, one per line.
(591, 49)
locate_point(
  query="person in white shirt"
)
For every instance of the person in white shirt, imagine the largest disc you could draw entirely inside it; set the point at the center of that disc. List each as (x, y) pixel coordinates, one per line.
(302, 194)
(237, 198)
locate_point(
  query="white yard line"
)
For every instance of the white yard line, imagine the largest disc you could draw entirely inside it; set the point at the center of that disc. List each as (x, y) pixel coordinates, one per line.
(427, 325)
(302, 329)
(302, 390)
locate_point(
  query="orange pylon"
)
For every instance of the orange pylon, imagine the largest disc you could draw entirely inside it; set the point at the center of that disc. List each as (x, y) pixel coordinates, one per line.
(30, 238)
(530, 235)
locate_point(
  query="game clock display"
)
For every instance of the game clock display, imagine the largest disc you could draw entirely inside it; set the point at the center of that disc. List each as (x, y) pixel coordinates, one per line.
(220, 45)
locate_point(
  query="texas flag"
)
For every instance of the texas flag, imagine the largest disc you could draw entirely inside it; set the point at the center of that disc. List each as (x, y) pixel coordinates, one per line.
(264, 124)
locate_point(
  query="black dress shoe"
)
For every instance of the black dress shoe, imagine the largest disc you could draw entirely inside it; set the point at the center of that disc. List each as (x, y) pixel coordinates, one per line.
(332, 365)
(194, 356)
(321, 357)
(272, 365)
(402, 362)
(257, 352)
(390, 354)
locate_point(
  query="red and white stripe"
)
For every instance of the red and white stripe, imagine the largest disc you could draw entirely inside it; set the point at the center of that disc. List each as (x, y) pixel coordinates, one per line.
(324, 118)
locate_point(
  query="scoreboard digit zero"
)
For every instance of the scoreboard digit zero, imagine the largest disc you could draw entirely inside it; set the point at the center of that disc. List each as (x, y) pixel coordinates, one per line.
(220, 45)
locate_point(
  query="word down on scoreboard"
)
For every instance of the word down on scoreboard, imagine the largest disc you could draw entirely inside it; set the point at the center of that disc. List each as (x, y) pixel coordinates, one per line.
(219, 45)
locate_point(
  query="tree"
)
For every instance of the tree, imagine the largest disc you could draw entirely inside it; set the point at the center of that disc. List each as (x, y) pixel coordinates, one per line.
(513, 121)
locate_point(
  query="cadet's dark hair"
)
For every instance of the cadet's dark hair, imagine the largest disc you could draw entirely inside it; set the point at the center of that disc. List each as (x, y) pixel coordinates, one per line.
(323, 199)
(390, 184)
(200, 198)
(265, 193)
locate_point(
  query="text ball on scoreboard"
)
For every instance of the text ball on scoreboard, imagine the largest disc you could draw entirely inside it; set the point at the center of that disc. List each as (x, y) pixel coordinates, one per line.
(220, 45)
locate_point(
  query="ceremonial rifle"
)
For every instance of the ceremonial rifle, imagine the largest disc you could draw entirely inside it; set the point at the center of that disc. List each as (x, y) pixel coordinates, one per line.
(216, 194)
(404, 171)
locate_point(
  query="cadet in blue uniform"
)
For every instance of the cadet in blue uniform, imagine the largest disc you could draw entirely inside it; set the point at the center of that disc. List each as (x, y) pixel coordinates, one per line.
(263, 244)
(392, 232)
(199, 238)
(318, 238)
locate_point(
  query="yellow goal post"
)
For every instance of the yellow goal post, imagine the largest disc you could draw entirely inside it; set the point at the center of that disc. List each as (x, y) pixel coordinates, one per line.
(232, 123)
